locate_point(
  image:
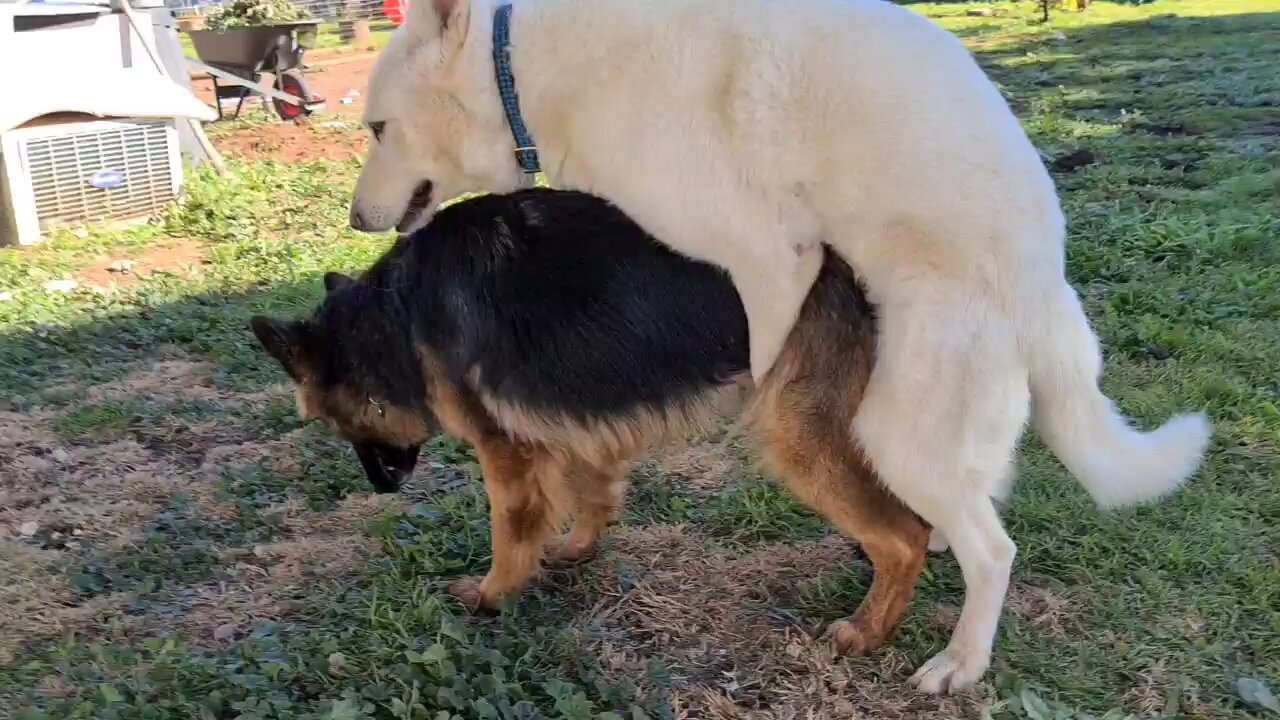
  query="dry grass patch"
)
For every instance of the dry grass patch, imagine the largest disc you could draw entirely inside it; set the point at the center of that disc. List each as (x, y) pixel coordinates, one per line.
(704, 464)
(721, 623)
(172, 375)
(52, 492)
(280, 454)
(76, 499)
(37, 602)
(1048, 611)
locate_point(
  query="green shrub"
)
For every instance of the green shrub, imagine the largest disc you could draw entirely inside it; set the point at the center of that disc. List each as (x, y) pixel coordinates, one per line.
(255, 13)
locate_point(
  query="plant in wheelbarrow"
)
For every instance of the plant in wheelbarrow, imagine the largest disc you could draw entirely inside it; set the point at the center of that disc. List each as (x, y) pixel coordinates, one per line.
(255, 13)
(246, 38)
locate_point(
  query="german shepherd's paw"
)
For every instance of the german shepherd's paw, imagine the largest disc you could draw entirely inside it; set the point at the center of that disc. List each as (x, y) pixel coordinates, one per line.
(852, 638)
(468, 590)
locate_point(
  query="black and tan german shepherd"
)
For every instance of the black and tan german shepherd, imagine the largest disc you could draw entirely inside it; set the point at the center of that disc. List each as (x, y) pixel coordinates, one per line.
(547, 330)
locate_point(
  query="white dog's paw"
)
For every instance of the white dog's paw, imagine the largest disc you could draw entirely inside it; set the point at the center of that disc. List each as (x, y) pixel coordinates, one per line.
(937, 541)
(949, 671)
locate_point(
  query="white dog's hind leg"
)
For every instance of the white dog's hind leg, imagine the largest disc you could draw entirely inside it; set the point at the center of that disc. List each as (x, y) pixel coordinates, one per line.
(940, 420)
(985, 554)
(937, 541)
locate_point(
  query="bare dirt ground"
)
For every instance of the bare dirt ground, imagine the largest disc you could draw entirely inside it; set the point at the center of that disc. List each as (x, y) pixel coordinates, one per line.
(334, 133)
(181, 257)
(293, 142)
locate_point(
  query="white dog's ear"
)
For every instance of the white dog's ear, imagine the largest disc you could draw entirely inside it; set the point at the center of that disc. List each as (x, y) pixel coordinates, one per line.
(448, 20)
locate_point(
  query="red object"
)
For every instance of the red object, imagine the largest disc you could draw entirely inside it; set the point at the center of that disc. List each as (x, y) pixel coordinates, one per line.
(293, 85)
(394, 11)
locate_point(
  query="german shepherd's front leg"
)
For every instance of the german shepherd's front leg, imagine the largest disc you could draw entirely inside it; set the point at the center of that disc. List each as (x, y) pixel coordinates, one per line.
(520, 517)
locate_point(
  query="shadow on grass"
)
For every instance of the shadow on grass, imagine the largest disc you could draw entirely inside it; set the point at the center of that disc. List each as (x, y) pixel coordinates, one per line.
(1168, 76)
(214, 325)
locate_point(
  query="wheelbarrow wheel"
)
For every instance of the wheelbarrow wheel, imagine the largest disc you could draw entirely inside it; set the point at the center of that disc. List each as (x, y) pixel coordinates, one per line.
(291, 82)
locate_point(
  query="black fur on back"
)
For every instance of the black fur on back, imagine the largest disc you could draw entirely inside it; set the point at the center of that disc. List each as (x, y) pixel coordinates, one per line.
(557, 300)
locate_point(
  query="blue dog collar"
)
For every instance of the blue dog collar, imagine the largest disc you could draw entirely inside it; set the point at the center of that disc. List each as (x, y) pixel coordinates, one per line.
(526, 151)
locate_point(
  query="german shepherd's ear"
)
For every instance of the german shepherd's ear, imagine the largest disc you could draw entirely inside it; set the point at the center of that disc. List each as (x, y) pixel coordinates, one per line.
(284, 341)
(336, 280)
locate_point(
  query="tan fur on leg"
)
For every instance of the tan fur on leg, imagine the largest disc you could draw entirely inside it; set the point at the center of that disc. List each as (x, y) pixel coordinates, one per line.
(521, 518)
(598, 492)
(801, 416)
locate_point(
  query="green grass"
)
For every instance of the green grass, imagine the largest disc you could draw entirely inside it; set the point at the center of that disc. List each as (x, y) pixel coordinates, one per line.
(174, 549)
(1170, 611)
(97, 420)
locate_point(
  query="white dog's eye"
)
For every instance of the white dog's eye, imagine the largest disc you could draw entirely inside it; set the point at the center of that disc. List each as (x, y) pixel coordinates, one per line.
(376, 128)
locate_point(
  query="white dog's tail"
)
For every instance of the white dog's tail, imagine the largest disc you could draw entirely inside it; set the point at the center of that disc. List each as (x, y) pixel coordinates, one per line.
(1117, 464)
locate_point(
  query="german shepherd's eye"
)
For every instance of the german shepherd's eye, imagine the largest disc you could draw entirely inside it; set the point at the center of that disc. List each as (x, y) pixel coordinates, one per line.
(376, 128)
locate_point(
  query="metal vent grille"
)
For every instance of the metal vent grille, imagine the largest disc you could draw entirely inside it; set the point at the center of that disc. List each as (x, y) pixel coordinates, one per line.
(62, 168)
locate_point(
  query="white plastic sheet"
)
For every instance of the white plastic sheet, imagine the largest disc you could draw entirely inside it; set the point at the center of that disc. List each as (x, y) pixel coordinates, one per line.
(88, 68)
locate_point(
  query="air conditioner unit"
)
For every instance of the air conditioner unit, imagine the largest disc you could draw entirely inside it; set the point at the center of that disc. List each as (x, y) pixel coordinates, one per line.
(70, 173)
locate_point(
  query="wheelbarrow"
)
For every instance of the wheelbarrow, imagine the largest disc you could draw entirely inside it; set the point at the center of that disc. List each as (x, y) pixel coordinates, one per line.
(239, 56)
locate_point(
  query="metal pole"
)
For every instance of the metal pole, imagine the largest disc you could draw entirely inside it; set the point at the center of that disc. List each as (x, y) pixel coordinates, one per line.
(193, 125)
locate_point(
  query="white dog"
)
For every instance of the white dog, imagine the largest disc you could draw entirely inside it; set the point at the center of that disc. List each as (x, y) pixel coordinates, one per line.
(749, 132)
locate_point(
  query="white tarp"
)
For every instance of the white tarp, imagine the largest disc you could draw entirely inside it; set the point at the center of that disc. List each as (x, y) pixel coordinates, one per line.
(80, 69)
(107, 93)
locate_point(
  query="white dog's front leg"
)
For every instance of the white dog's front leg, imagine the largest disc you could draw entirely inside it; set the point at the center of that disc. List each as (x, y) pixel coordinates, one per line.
(773, 288)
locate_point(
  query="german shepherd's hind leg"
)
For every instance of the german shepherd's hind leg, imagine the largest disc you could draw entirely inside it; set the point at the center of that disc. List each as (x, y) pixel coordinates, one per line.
(824, 470)
(597, 492)
(947, 401)
(895, 549)
(521, 515)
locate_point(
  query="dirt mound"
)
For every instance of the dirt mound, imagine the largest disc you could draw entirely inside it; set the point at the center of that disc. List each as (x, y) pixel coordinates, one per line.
(182, 257)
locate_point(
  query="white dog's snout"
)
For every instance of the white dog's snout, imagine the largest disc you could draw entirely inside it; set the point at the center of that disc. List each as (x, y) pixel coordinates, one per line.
(370, 218)
(357, 220)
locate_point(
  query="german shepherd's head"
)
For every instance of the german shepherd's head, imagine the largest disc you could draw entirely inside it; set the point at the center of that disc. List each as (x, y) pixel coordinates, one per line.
(359, 373)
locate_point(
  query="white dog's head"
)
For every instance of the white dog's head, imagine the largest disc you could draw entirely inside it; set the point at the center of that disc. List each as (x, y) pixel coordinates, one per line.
(436, 118)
